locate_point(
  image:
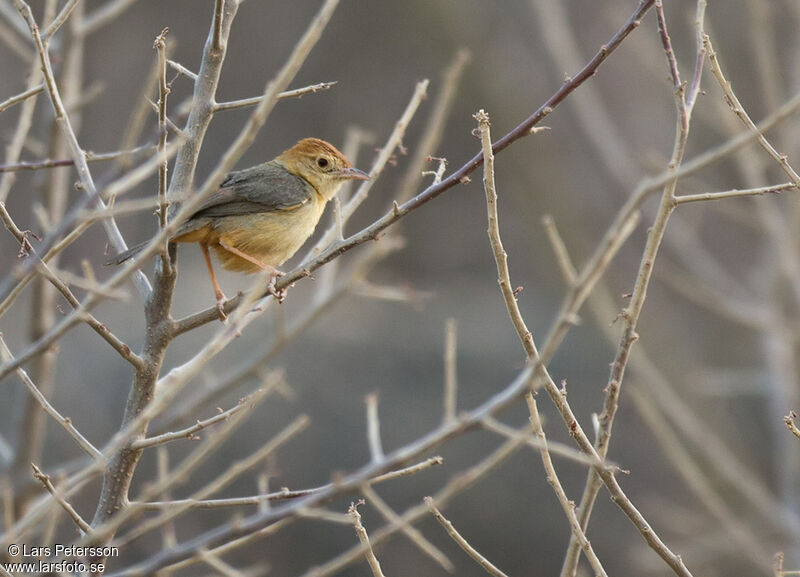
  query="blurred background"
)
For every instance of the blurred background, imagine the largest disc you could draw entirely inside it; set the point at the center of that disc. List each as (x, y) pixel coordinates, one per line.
(716, 358)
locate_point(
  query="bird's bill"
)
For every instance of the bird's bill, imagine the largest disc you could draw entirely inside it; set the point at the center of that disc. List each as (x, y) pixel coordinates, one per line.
(351, 173)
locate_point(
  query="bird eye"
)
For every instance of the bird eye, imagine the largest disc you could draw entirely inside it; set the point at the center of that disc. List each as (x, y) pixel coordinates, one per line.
(322, 162)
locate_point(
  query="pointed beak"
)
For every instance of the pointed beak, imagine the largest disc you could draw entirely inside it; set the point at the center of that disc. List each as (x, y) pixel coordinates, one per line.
(351, 173)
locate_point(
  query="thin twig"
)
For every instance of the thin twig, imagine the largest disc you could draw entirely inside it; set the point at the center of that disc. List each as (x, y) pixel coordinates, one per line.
(45, 480)
(90, 157)
(434, 126)
(282, 495)
(739, 110)
(701, 482)
(22, 96)
(219, 12)
(386, 153)
(455, 486)
(189, 432)
(735, 193)
(182, 69)
(374, 428)
(555, 448)
(487, 565)
(552, 478)
(565, 264)
(246, 102)
(160, 46)
(409, 531)
(216, 485)
(220, 566)
(21, 132)
(65, 422)
(48, 273)
(374, 564)
(450, 370)
(186, 466)
(500, 255)
(789, 420)
(59, 20)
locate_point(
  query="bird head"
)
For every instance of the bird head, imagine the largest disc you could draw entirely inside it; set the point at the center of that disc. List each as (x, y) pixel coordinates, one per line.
(321, 165)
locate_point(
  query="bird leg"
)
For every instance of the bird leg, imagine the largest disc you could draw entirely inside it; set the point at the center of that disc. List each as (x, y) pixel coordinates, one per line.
(218, 294)
(273, 272)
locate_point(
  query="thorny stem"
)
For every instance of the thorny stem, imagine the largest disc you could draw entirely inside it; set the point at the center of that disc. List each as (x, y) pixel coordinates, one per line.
(631, 314)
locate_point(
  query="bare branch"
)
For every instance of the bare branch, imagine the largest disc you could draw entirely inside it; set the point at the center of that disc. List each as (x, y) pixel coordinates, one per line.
(789, 420)
(219, 15)
(59, 20)
(22, 96)
(374, 565)
(563, 259)
(434, 126)
(189, 432)
(637, 299)
(736, 193)
(65, 422)
(554, 447)
(487, 565)
(739, 110)
(282, 495)
(500, 255)
(450, 370)
(374, 428)
(552, 478)
(90, 157)
(45, 480)
(160, 46)
(409, 531)
(246, 102)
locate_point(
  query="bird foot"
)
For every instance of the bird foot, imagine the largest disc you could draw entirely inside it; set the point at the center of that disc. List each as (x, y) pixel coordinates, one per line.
(221, 307)
(278, 295)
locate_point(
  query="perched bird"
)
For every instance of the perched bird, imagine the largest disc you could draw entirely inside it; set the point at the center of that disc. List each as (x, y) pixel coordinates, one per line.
(262, 215)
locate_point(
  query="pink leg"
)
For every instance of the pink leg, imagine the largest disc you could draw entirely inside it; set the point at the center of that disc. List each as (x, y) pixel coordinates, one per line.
(274, 273)
(218, 294)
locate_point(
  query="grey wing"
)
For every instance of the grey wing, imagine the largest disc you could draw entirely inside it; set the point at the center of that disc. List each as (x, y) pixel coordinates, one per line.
(267, 187)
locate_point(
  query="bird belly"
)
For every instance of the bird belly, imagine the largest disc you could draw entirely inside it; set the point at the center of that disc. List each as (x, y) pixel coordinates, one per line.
(271, 237)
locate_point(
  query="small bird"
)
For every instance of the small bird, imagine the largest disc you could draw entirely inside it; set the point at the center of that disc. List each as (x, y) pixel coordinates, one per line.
(260, 216)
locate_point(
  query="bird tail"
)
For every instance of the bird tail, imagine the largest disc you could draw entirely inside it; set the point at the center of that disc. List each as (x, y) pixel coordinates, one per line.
(126, 254)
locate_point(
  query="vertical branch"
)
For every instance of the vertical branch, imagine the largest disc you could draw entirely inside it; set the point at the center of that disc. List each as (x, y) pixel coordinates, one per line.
(160, 46)
(119, 472)
(374, 428)
(219, 10)
(500, 256)
(355, 516)
(512, 307)
(552, 478)
(203, 99)
(450, 370)
(631, 314)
